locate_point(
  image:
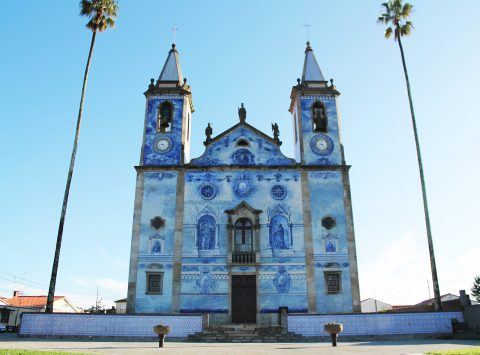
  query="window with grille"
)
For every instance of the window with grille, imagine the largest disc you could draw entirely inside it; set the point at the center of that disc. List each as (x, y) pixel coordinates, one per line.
(332, 281)
(154, 282)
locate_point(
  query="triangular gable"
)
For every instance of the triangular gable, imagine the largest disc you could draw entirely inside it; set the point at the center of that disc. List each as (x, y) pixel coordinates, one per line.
(245, 125)
(241, 206)
(257, 149)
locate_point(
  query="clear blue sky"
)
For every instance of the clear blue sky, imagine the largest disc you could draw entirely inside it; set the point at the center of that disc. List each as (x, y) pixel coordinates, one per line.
(232, 52)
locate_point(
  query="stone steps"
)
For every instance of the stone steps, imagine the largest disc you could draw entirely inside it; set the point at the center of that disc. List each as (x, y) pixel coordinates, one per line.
(248, 333)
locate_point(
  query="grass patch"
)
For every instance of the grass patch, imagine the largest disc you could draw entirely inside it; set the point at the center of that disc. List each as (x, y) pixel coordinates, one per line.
(35, 352)
(467, 351)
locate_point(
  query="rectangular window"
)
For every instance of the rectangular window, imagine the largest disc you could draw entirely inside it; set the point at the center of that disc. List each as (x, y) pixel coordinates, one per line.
(154, 283)
(333, 282)
(4, 316)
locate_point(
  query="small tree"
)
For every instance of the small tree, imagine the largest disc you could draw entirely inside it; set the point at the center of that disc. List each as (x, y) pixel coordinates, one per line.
(476, 288)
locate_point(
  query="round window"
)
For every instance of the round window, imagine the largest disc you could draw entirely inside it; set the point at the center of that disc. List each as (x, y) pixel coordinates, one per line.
(208, 191)
(279, 192)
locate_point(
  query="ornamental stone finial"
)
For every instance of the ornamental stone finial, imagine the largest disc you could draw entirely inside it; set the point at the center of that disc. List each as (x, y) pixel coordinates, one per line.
(151, 86)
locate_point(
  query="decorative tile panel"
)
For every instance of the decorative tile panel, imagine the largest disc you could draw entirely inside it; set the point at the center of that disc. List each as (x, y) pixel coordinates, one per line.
(225, 151)
(110, 325)
(375, 324)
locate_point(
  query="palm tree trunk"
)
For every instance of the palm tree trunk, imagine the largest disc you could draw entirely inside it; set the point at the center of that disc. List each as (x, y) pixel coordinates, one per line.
(436, 287)
(53, 277)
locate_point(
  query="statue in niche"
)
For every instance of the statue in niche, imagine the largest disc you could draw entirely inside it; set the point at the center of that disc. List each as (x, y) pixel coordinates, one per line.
(206, 233)
(242, 113)
(282, 280)
(279, 233)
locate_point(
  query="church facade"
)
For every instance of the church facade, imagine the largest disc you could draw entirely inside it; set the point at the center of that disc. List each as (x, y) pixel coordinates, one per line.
(242, 230)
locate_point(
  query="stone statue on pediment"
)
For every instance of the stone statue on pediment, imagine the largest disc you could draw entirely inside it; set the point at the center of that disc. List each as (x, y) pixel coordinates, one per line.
(242, 113)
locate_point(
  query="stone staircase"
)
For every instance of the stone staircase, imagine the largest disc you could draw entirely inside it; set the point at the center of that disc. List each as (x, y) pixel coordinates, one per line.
(245, 333)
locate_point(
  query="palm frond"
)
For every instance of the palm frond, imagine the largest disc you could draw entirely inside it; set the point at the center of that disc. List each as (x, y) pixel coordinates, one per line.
(386, 8)
(405, 30)
(384, 18)
(100, 12)
(394, 12)
(406, 10)
(388, 32)
(86, 7)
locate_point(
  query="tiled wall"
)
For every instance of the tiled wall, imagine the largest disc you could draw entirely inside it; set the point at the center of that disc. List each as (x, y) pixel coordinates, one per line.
(311, 158)
(376, 324)
(107, 325)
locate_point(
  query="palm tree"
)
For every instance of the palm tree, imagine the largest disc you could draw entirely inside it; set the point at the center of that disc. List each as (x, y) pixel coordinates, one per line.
(395, 17)
(101, 14)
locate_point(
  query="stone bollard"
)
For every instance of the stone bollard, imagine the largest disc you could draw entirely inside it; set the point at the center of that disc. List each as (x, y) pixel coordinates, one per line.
(161, 331)
(333, 329)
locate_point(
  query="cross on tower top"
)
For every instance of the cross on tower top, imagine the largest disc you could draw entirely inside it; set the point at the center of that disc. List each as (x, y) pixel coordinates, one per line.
(174, 34)
(307, 30)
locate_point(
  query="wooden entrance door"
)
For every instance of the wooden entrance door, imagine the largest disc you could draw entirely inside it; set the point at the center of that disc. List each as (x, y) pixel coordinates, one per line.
(244, 299)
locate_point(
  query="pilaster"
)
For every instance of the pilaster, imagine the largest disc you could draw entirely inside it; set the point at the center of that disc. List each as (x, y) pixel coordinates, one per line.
(352, 251)
(308, 242)
(178, 243)
(137, 214)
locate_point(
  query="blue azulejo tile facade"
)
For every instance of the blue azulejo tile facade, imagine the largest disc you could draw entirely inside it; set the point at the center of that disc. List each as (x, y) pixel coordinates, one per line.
(375, 323)
(242, 230)
(107, 325)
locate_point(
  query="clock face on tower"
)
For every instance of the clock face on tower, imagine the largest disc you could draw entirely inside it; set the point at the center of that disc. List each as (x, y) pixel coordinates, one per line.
(321, 144)
(162, 144)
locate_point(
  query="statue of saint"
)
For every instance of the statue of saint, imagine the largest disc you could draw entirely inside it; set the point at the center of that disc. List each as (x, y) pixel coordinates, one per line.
(242, 113)
(276, 133)
(208, 134)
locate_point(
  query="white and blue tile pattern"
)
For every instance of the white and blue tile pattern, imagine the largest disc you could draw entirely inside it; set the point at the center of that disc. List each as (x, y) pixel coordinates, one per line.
(375, 324)
(107, 325)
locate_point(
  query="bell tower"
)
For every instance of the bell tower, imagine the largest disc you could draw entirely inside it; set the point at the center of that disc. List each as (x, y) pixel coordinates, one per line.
(168, 116)
(315, 116)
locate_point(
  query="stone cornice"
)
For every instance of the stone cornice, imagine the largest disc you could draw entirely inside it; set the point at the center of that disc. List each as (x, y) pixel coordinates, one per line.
(147, 168)
(303, 90)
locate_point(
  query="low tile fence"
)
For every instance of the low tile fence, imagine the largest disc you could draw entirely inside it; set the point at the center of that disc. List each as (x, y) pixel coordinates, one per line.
(107, 325)
(311, 325)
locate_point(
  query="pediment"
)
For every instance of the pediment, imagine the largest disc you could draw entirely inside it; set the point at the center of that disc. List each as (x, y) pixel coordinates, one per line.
(243, 206)
(242, 145)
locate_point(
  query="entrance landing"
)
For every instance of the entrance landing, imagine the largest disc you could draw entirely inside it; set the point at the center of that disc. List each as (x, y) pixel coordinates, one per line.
(245, 333)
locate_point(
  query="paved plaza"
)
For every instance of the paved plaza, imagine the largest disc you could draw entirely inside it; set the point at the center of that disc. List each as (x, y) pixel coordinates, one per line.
(9, 341)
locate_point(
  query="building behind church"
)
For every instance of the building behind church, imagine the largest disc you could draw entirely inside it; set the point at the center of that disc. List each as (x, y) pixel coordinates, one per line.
(243, 229)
